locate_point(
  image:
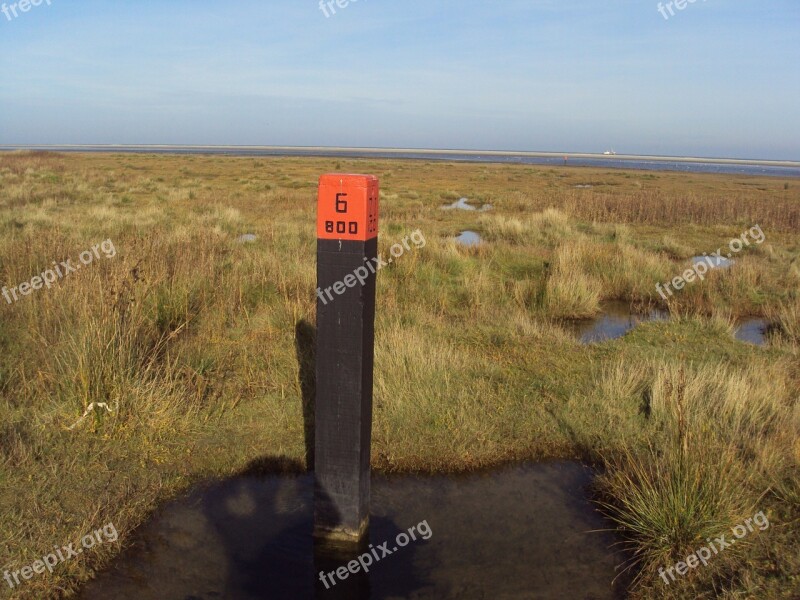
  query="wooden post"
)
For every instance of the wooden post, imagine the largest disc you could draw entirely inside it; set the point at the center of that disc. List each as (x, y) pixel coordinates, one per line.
(347, 249)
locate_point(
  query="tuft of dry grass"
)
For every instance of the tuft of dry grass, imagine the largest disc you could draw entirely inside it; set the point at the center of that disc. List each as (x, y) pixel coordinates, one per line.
(548, 227)
(787, 319)
(713, 452)
(570, 293)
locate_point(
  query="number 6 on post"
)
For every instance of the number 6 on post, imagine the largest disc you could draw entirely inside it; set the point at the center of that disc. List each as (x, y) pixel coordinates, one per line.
(347, 207)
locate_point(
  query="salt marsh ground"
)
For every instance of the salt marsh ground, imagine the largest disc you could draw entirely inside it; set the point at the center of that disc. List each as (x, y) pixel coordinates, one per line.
(194, 340)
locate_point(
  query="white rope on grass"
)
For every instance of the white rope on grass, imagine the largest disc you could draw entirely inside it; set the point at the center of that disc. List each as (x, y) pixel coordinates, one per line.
(89, 410)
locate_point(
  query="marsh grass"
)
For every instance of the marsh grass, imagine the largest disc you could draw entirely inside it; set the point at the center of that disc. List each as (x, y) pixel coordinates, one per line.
(192, 339)
(787, 319)
(710, 455)
(570, 292)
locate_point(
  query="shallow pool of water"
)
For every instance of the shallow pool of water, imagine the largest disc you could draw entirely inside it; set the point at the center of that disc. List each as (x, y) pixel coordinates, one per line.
(469, 238)
(463, 204)
(526, 531)
(753, 331)
(616, 320)
(714, 261)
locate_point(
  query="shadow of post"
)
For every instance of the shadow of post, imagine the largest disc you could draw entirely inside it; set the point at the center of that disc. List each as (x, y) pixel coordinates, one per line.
(268, 551)
(305, 343)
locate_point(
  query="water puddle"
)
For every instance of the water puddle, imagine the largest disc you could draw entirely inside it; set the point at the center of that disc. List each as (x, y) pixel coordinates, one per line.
(616, 320)
(753, 331)
(463, 204)
(714, 261)
(469, 238)
(526, 531)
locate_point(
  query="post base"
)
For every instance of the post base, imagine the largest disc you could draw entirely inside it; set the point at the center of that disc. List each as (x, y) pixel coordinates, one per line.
(341, 538)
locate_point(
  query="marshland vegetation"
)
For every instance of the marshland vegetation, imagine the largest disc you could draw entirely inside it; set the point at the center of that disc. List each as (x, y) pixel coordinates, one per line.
(194, 340)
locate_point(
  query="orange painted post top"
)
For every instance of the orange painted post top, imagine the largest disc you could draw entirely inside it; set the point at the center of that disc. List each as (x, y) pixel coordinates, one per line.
(347, 207)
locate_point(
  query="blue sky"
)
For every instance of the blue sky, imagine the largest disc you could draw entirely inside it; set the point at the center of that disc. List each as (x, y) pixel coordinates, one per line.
(720, 78)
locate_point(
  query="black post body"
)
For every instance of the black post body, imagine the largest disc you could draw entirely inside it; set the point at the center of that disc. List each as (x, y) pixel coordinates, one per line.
(344, 365)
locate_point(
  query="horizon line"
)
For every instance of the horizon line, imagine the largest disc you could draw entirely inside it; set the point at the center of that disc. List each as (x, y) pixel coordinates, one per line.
(432, 151)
